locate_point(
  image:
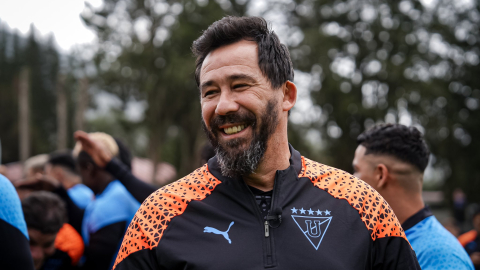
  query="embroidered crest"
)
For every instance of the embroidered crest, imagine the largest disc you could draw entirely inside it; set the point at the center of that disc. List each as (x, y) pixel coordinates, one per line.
(314, 225)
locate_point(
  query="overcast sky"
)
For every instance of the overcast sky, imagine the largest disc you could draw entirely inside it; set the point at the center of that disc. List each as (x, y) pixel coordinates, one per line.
(60, 17)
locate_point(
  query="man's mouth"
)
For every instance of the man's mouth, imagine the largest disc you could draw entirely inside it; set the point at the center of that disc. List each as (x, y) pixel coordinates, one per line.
(234, 129)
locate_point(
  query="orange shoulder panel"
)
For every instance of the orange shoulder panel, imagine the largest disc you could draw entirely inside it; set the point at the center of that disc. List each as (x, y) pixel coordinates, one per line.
(156, 212)
(374, 211)
(467, 237)
(69, 241)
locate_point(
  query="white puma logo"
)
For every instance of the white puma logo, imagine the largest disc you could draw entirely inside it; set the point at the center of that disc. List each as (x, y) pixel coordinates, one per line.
(215, 231)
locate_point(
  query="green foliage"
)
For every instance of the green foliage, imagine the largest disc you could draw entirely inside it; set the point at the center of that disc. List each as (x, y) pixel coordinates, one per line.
(42, 60)
(391, 61)
(145, 53)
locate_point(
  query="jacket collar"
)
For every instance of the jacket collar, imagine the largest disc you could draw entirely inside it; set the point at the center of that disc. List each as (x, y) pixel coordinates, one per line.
(295, 163)
(416, 218)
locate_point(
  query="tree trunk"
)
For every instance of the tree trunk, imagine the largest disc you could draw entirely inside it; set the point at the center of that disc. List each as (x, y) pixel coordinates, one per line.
(62, 124)
(24, 113)
(82, 104)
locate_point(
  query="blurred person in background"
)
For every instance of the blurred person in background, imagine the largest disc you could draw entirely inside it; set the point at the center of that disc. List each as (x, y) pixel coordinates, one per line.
(107, 216)
(118, 166)
(14, 248)
(3, 169)
(459, 206)
(54, 244)
(34, 165)
(33, 168)
(103, 221)
(471, 240)
(61, 166)
(392, 158)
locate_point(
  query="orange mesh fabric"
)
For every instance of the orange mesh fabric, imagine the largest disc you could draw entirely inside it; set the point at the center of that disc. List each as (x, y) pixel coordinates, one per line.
(156, 212)
(374, 211)
(69, 241)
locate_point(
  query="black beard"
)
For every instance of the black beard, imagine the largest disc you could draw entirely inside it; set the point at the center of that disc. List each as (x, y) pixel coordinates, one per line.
(233, 160)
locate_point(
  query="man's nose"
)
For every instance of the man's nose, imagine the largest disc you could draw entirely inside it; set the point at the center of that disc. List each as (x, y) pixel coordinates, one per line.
(226, 104)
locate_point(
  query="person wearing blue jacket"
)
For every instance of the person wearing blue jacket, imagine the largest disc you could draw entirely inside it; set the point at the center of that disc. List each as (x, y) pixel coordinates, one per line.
(14, 247)
(392, 158)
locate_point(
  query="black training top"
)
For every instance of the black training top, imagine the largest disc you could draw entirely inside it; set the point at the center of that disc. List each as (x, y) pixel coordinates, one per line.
(320, 217)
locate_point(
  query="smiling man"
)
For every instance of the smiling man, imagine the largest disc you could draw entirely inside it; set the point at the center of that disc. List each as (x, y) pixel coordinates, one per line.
(258, 203)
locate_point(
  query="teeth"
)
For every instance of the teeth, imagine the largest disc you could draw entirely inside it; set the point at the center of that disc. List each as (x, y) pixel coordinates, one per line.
(233, 130)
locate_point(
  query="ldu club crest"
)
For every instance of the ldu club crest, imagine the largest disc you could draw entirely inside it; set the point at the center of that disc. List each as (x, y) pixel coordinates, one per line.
(313, 224)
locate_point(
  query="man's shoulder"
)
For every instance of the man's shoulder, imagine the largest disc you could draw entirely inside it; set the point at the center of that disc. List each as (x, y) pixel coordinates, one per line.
(431, 240)
(11, 210)
(156, 212)
(194, 186)
(373, 209)
(338, 182)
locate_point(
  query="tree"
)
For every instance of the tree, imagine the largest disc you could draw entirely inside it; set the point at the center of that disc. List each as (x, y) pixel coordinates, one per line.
(145, 53)
(387, 61)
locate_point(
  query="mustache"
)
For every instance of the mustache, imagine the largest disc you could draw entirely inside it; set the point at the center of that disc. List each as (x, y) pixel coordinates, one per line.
(247, 118)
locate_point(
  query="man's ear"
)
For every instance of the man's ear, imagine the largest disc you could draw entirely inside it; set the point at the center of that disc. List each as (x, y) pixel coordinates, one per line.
(289, 95)
(381, 175)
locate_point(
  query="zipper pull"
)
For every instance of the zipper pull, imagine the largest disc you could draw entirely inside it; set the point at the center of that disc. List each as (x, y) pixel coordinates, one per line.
(267, 230)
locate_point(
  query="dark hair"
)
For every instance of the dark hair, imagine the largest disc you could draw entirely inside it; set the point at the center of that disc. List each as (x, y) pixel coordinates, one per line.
(273, 57)
(124, 153)
(405, 143)
(84, 159)
(44, 211)
(63, 159)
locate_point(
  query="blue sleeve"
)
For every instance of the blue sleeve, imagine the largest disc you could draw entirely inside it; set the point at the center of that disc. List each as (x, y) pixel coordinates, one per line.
(10, 206)
(14, 251)
(438, 249)
(444, 257)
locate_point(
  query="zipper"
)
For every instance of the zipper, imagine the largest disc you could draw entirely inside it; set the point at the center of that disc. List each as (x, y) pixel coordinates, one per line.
(267, 230)
(269, 257)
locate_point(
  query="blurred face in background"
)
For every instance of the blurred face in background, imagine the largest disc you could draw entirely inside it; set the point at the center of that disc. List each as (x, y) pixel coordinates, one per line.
(239, 107)
(86, 169)
(42, 246)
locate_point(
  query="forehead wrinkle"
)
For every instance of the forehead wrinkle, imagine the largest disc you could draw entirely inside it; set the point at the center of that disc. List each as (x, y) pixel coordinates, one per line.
(251, 71)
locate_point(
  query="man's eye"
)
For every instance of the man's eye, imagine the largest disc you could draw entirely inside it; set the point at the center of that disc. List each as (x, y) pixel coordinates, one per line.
(240, 86)
(208, 93)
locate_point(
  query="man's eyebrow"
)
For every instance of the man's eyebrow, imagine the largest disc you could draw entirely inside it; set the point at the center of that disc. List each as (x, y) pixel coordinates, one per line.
(206, 84)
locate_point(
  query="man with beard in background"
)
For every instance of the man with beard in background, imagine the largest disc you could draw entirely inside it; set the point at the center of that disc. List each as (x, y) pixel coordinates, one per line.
(258, 203)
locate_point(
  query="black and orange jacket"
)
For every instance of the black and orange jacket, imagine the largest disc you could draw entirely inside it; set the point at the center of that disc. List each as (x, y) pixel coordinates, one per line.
(322, 218)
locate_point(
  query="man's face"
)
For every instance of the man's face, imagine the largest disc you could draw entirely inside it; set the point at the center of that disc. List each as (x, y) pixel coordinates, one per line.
(239, 107)
(42, 246)
(85, 171)
(363, 167)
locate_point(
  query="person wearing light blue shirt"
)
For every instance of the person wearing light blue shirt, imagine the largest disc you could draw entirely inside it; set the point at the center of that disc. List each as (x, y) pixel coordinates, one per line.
(436, 248)
(61, 166)
(14, 248)
(391, 158)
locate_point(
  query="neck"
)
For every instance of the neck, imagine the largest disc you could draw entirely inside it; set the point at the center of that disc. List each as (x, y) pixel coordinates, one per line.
(276, 157)
(405, 205)
(103, 182)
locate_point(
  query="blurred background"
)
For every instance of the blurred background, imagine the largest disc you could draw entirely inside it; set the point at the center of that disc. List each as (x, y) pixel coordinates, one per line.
(125, 67)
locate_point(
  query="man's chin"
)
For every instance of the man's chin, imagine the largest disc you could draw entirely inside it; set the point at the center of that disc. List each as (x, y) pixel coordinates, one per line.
(234, 145)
